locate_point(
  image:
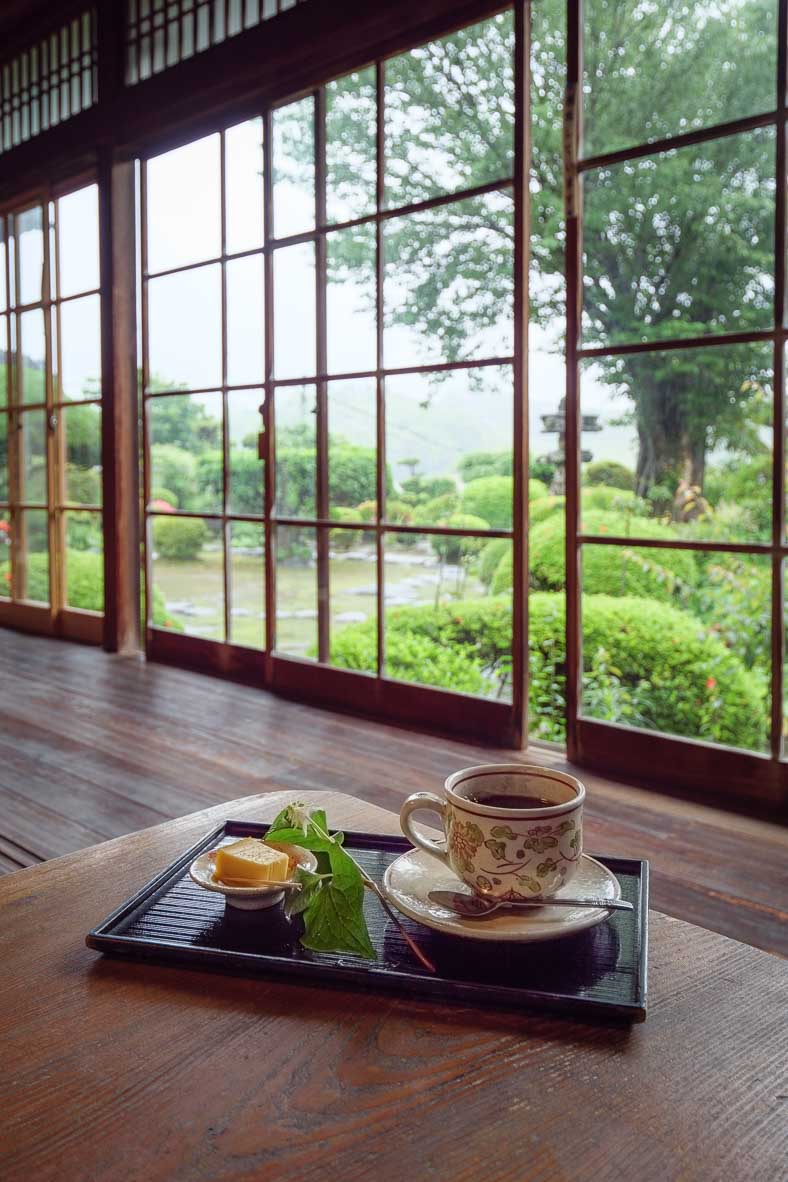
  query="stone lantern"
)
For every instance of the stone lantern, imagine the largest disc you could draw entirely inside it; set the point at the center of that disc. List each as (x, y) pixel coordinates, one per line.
(555, 424)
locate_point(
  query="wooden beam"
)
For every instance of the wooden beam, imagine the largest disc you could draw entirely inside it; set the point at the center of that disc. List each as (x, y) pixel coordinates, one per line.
(119, 420)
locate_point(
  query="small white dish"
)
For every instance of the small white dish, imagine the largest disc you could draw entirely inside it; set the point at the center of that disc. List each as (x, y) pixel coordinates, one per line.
(254, 898)
(408, 881)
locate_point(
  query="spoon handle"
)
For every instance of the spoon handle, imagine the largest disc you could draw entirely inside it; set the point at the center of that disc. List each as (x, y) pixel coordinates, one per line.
(466, 905)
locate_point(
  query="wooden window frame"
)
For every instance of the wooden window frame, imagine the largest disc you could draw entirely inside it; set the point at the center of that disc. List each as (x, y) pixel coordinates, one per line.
(724, 773)
(373, 692)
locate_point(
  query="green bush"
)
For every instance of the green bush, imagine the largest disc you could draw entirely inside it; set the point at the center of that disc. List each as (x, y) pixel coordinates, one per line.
(164, 494)
(490, 559)
(438, 510)
(352, 473)
(677, 677)
(609, 473)
(176, 469)
(490, 497)
(179, 538)
(545, 507)
(343, 539)
(410, 656)
(453, 548)
(537, 491)
(747, 484)
(610, 570)
(485, 463)
(603, 497)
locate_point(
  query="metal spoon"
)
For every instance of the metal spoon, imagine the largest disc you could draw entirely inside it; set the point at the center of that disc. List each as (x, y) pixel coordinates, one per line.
(475, 907)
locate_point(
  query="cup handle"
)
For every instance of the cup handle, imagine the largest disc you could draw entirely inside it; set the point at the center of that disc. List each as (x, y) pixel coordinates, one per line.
(424, 802)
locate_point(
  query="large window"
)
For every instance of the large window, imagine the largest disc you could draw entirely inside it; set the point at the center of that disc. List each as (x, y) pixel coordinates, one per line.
(373, 254)
(51, 561)
(674, 598)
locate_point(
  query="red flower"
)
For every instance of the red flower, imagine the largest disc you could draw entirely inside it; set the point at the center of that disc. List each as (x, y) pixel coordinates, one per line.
(7, 576)
(5, 528)
(711, 683)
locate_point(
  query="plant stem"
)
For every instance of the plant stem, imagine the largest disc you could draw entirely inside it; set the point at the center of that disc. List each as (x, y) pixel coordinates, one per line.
(373, 886)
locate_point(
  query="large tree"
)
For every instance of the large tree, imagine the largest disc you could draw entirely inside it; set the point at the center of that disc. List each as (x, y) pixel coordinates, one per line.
(676, 245)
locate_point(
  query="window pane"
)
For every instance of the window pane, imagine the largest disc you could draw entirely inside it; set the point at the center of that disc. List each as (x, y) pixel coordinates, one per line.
(678, 642)
(185, 329)
(188, 576)
(247, 584)
(435, 424)
(246, 468)
(679, 67)
(294, 168)
(245, 321)
(3, 249)
(33, 555)
(294, 312)
(80, 348)
(244, 185)
(351, 300)
(353, 585)
(5, 553)
(30, 249)
(84, 562)
(352, 449)
(32, 433)
(81, 427)
(449, 282)
(296, 591)
(351, 146)
(3, 471)
(449, 110)
(296, 451)
(681, 244)
(184, 211)
(78, 241)
(680, 442)
(185, 442)
(31, 358)
(4, 350)
(443, 627)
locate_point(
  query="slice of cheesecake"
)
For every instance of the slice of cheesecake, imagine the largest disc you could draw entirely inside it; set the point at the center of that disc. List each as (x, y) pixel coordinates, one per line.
(250, 862)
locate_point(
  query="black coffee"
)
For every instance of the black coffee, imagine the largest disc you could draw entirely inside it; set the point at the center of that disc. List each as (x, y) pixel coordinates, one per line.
(496, 800)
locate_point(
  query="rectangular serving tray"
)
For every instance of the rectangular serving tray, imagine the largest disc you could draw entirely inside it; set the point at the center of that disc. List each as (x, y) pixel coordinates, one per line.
(600, 972)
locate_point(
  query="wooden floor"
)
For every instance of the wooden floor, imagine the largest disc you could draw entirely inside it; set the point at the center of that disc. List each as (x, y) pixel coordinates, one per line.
(94, 746)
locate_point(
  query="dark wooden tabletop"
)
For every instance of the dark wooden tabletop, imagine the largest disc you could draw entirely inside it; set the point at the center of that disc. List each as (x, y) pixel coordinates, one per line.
(123, 1070)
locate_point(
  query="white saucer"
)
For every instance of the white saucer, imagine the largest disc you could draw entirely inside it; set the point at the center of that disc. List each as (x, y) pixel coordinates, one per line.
(252, 898)
(408, 882)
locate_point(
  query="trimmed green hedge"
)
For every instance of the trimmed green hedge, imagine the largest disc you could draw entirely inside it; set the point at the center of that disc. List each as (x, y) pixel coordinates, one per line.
(679, 678)
(179, 538)
(491, 498)
(609, 472)
(646, 664)
(607, 570)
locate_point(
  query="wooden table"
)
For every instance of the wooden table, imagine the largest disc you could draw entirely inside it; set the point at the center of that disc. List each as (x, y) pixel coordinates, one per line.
(122, 1070)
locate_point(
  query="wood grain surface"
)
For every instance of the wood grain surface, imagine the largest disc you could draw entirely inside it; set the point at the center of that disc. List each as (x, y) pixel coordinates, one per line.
(123, 1070)
(93, 746)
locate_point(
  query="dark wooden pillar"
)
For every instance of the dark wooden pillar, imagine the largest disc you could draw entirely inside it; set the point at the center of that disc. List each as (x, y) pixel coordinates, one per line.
(120, 451)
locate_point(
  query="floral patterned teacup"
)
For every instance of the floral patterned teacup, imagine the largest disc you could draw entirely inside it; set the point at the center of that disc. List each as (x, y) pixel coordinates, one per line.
(508, 852)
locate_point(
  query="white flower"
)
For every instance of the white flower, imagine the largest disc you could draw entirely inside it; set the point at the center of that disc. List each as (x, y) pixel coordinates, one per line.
(298, 816)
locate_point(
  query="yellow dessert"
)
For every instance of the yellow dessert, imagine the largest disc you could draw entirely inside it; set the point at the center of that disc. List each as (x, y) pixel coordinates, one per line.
(250, 862)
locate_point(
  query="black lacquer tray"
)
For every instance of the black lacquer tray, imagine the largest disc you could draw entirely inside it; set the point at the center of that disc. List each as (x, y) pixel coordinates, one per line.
(600, 972)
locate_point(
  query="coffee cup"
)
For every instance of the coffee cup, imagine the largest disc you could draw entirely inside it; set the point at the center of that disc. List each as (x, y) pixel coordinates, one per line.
(512, 831)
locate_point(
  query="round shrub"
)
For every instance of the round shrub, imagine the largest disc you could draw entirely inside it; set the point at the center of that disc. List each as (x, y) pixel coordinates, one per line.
(537, 491)
(611, 570)
(602, 496)
(411, 655)
(166, 495)
(176, 469)
(438, 510)
(453, 548)
(343, 539)
(610, 473)
(490, 497)
(179, 538)
(545, 507)
(490, 559)
(677, 677)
